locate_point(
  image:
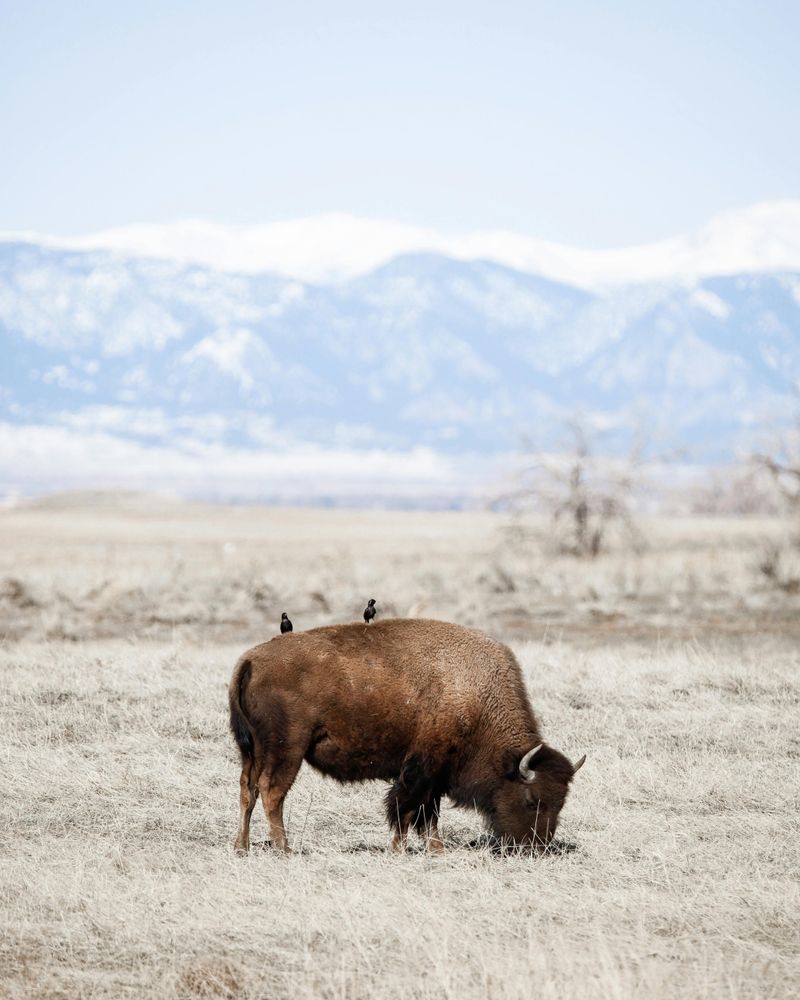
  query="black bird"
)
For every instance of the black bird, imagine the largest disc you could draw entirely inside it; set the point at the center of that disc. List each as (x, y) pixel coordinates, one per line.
(286, 625)
(369, 610)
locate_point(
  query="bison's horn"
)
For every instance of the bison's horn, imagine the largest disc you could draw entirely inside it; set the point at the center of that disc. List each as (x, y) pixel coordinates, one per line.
(579, 765)
(527, 773)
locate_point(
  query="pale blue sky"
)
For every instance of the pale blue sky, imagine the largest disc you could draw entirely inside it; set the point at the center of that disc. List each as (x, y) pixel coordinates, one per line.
(596, 124)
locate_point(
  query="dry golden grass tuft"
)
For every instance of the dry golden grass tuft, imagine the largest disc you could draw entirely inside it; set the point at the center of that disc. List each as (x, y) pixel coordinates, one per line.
(209, 978)
(119, 781)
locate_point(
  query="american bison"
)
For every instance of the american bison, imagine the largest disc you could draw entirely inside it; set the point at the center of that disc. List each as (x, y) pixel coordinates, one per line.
(434, 708)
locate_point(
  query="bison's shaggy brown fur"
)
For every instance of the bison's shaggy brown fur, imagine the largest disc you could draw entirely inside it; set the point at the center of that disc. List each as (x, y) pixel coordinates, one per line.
(432, 707)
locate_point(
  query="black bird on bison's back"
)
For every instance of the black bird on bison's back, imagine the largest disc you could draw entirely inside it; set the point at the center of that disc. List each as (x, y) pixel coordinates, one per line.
(286, 625)
(369, 610)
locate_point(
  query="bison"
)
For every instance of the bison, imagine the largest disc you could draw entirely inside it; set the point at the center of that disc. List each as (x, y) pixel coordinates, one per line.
(436, 709)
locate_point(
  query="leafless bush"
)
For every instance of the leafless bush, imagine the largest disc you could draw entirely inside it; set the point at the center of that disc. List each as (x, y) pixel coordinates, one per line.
(778, 559)
(772, 566)
(785, 472)
(735, 491)
(588, 497)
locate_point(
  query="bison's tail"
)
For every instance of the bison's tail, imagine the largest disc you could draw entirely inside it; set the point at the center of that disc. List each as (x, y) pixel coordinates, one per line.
(240, 724)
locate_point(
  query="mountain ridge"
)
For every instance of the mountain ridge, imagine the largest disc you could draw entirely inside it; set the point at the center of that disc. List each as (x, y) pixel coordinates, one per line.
(425, 363)
(336, 247)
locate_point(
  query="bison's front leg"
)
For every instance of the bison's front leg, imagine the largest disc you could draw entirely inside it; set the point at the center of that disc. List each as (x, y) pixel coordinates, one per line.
(400, 812)
(435, 844)
(399, 840)
(414, 798)
(426, 823)
(427, 826)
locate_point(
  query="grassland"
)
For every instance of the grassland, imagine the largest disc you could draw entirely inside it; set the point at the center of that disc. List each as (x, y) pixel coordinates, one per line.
(677, 670)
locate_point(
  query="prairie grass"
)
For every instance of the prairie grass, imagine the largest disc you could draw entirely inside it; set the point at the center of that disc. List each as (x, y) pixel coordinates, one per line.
(678, 872)
(165, 571)
(119, 792)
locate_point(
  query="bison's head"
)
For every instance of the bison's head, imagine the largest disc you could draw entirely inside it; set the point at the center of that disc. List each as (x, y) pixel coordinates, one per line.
(528, 803)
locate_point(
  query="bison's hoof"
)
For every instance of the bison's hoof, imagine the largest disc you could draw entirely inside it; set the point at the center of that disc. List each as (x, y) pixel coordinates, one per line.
(273, 846)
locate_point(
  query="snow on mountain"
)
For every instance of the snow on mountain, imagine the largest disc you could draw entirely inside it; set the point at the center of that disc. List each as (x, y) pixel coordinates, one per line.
(408, 380)
(337, 247)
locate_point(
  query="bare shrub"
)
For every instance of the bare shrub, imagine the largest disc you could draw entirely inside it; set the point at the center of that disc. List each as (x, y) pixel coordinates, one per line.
(785, 472)
(15, 592)
(772, 566)
(735, 491)
(778, 559)
(589, 498)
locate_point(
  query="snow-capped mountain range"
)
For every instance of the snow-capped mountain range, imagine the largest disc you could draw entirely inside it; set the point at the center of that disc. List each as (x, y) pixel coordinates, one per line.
(337, 247)
(337, 351)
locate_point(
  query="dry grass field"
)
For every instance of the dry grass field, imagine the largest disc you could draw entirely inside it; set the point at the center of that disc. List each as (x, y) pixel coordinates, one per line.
(677, 670)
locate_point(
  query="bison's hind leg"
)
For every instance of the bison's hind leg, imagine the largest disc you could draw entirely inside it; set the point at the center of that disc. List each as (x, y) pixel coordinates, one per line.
(248, 793)
(414, 799)
(274, 782)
